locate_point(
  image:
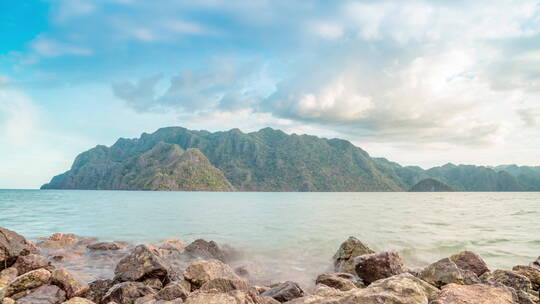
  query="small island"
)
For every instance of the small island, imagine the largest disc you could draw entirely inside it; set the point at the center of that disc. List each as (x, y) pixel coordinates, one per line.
(431, 185)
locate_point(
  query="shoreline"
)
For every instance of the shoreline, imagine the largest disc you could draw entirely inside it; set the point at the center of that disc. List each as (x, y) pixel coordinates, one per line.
(206, 272)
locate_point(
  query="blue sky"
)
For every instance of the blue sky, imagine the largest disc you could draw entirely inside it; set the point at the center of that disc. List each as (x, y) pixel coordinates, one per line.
(418, 82)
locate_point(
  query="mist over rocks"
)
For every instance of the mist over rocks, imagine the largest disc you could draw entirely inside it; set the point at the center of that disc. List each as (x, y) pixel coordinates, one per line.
(175, 158)
(169, 273)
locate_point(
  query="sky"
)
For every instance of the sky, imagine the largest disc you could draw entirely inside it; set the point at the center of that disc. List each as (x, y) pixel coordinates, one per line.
(418, 82)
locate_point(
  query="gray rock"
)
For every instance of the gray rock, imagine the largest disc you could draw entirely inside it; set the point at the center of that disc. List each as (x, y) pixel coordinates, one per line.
(126, 292)
(12, 245)
(104, 246)
(202, 271)
(143, 262)
(225, 285)
(347, 251)
(340, 281)
(533, 274)
(376, 266)
(477, 294)
(172, 291)
(536, 264)
(206, 250)
(441, 273)
(508, 278)
(97, 289)
(284, 292)
(46, 294)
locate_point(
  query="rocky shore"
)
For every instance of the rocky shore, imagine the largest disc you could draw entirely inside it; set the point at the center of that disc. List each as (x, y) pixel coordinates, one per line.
(51, 271)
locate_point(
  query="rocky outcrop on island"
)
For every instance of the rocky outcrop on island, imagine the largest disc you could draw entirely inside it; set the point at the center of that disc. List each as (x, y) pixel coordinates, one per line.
(431, 185)
(176, 158)
(168, 273)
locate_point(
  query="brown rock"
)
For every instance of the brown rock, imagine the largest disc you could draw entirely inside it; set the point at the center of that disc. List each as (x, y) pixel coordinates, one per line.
(126, 292)
(46, 294)
(474, 294)
(104, 246)
(347, 251)
(29, 280)
(231, 297)
(376, 266)
(340, 281)
(97, 289)
(202, 271)
(172, 291)
(31, 262)
(8, 301)
(225, 285)
(59, 240)
(536, 264)
(206, 250)
(533, 274)
(284, 292)
(173, 244)
(508, 278)
(442, 272)
(143, 262)
(7, 275)
(77, 300)
(65, 280)
(153, 283)
(468, 260)
(12, 245)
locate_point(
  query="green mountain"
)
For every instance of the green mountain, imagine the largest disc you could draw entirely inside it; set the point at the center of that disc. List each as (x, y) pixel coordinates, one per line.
(431, 185)
(176, 158)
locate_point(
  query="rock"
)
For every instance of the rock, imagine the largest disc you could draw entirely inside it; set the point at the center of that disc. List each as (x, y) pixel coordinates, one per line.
(77, 300)
(202, 271)
(126, 292)
(231, 297)
(153, 283)
(172, 291)
(533, 274)
(206, 250)
(59, 240)
(441, 273)
(284, 292)
(143, 262)
(536, 264)
(46, 294)
(97, 289)
(225, 285)
(340, 281)
(399, 289)
(173, 244)
(508, 278)
(31, 262)
(348, 250)
(468, 260)
(376, 266)
(29, 280)
(7, 275)
(65, 280)
(474, 294)
(104, 246)
(525, 298)
(12, 245)
(8, 301)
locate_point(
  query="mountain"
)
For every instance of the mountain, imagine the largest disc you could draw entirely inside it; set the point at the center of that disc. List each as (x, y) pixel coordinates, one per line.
(431, 185)
(175, 158)
(164, 167)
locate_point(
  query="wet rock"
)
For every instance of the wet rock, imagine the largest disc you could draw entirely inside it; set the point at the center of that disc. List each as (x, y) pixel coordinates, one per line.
(202, 271)
(126, 292)
(59, 240)
(399, 289)
(65, 280)
(441, 273)
(533, 274)
(508, 278)
(468, 260)
(477, 294)
(143, 262)
(104, 246)
(12, 245)
(97, 289)
(46, 294)
(376, 266)
(225, 285)
(172, 291)
(206, 250)
(31, 262)
(77, 300)
(173, 244)
(29, 280)
(340, 281)
(347, 251)
(284, 292)
(7, 275)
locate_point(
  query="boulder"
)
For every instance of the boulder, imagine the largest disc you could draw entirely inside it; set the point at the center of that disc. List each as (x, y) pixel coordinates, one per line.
(347, 251)
(202, 271)
(31, 262)
(173, 290)
(126, 293)
(284, 292)
(399, 289)
(376, 266)
(340, 281)
(231, 297)
(97, 289)
(173, 244)
(206, 250)
(225, 285)
(468, 260)
(46, 294)
(7, 275)
(59, 240)
(143, 262)
(441, 273)
(153, 283)
(29, 280)
(104, 246)
(523, 297)
(7, 301)
(77, 300)
(533, 274)
(65, 280)
(477, 294)
(12, 245)
(536, 264)
(508, 278)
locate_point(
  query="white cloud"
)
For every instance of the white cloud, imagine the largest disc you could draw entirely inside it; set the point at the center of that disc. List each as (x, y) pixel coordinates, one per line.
(51, 48)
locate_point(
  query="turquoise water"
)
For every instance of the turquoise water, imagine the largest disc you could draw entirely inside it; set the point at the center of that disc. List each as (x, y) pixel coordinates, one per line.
(295, 232)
